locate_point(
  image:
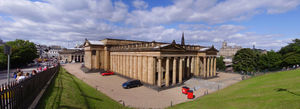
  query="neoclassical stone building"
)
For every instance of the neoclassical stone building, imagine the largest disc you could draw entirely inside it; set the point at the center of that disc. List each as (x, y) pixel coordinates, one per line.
(71, 55)
(154, 63)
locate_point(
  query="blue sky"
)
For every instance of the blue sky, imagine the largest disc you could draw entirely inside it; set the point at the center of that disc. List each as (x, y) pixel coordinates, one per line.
(268, 24)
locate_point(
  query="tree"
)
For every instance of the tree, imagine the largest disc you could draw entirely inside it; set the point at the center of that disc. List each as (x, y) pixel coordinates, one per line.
(270, 61)
(220, 63)
(245, 60)
(291, 53)
(23, 52)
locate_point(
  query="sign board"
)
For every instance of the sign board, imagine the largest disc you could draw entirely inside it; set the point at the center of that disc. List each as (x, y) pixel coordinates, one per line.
(7, 50)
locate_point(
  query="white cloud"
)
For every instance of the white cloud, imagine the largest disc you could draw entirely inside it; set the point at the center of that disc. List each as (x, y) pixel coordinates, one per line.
(139, 4)
(66, 21)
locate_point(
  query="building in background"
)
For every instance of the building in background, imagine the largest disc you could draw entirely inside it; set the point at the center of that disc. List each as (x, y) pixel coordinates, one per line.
(154, 63)
(1, 42)
(71, 55)
(228, 53)
(53, 51)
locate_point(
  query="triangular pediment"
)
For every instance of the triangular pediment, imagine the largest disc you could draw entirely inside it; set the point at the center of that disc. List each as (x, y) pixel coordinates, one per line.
(86, 43)
(172, 47)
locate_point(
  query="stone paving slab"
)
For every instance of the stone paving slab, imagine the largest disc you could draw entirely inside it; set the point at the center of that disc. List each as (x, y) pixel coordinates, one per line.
(143, 97)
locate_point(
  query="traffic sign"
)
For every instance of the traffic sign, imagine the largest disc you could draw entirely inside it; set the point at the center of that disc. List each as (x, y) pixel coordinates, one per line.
(7, 50)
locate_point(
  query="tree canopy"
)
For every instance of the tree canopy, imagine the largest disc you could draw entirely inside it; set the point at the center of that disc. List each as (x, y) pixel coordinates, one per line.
(291, 53)
(23, 52)
(220, 63)
(270, 61)
(245, 60)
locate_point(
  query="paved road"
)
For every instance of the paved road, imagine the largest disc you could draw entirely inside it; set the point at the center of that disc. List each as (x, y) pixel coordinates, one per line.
(3, 74)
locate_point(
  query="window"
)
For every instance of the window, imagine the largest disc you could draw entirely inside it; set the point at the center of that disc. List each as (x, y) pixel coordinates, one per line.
(93, 52)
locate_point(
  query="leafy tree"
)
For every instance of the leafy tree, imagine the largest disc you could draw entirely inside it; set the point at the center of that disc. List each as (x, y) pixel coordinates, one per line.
(291, 53)
(220, 63)
(270, 61)
(245, 60)
(23, 52)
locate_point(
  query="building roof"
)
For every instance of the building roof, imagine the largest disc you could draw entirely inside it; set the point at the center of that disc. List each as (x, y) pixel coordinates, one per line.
(95, 42)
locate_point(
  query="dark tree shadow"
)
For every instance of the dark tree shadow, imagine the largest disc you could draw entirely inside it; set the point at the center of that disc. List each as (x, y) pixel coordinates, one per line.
(286, 90)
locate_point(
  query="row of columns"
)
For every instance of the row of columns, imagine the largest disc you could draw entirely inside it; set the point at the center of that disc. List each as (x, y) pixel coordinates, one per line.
(77, 58)
(145, 68)
(137, 67)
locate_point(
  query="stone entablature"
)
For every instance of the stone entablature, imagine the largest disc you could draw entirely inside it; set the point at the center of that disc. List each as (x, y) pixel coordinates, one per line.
(155, 63)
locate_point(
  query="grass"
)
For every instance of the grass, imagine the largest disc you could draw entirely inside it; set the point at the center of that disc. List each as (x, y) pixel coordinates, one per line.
(67, 91)
(271, 91)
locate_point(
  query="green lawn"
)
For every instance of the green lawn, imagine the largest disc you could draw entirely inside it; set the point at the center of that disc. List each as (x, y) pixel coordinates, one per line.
(271, 91)
(67, 91)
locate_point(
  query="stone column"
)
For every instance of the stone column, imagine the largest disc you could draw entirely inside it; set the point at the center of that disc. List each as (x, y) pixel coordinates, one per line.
(211, 66)
(136, 67)
(198, 66)
(117, 63)
(201, 68)
(204, 67)
(215, 65)
(159, 73)
(188, 67)
(174, 71)
(167, 77)
(151, 70)
(193, 65)
(145, 68)
(140, 68)
(123, 65)
(110, 58)
(130, 67)
(133, 67)
(180, 69)
(208, 65)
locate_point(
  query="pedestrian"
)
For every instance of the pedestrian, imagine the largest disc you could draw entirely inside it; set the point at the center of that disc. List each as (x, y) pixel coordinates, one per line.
(27, 75)
(20, 77)
(33, 72)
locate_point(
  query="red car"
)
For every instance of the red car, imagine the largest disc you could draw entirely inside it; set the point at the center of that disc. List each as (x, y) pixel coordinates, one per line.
(107, 73)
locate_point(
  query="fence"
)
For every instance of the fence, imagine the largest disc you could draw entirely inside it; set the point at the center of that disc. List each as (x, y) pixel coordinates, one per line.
(20, 95)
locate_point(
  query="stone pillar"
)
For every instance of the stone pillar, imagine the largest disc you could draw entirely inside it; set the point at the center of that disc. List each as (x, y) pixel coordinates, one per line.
(188, 67)
(159, 73)
(133, 67)
(208, 65)
(111, 67)
(201, 68)
(130, 66)
(215, 65)
(204, 67)
(151, 70)
(211, 66)
(123, 65)
(167, 75)
(117, 63)
(127, 65)
(145, 68)
(180, 69)
(136, 67)
(197, 66)
(174, 71)
(140, 68)
(193, 65)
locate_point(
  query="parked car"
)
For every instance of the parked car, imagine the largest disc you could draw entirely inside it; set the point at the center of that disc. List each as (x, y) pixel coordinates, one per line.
(107, 73)
(131, 83)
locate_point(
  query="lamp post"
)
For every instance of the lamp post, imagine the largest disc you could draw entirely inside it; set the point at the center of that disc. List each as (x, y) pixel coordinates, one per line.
(7, 50)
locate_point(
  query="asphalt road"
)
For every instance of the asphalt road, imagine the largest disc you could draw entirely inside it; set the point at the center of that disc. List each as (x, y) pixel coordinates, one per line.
(3, 74)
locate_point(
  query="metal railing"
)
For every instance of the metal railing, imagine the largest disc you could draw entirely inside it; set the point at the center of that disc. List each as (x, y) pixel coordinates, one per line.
(20, 95)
